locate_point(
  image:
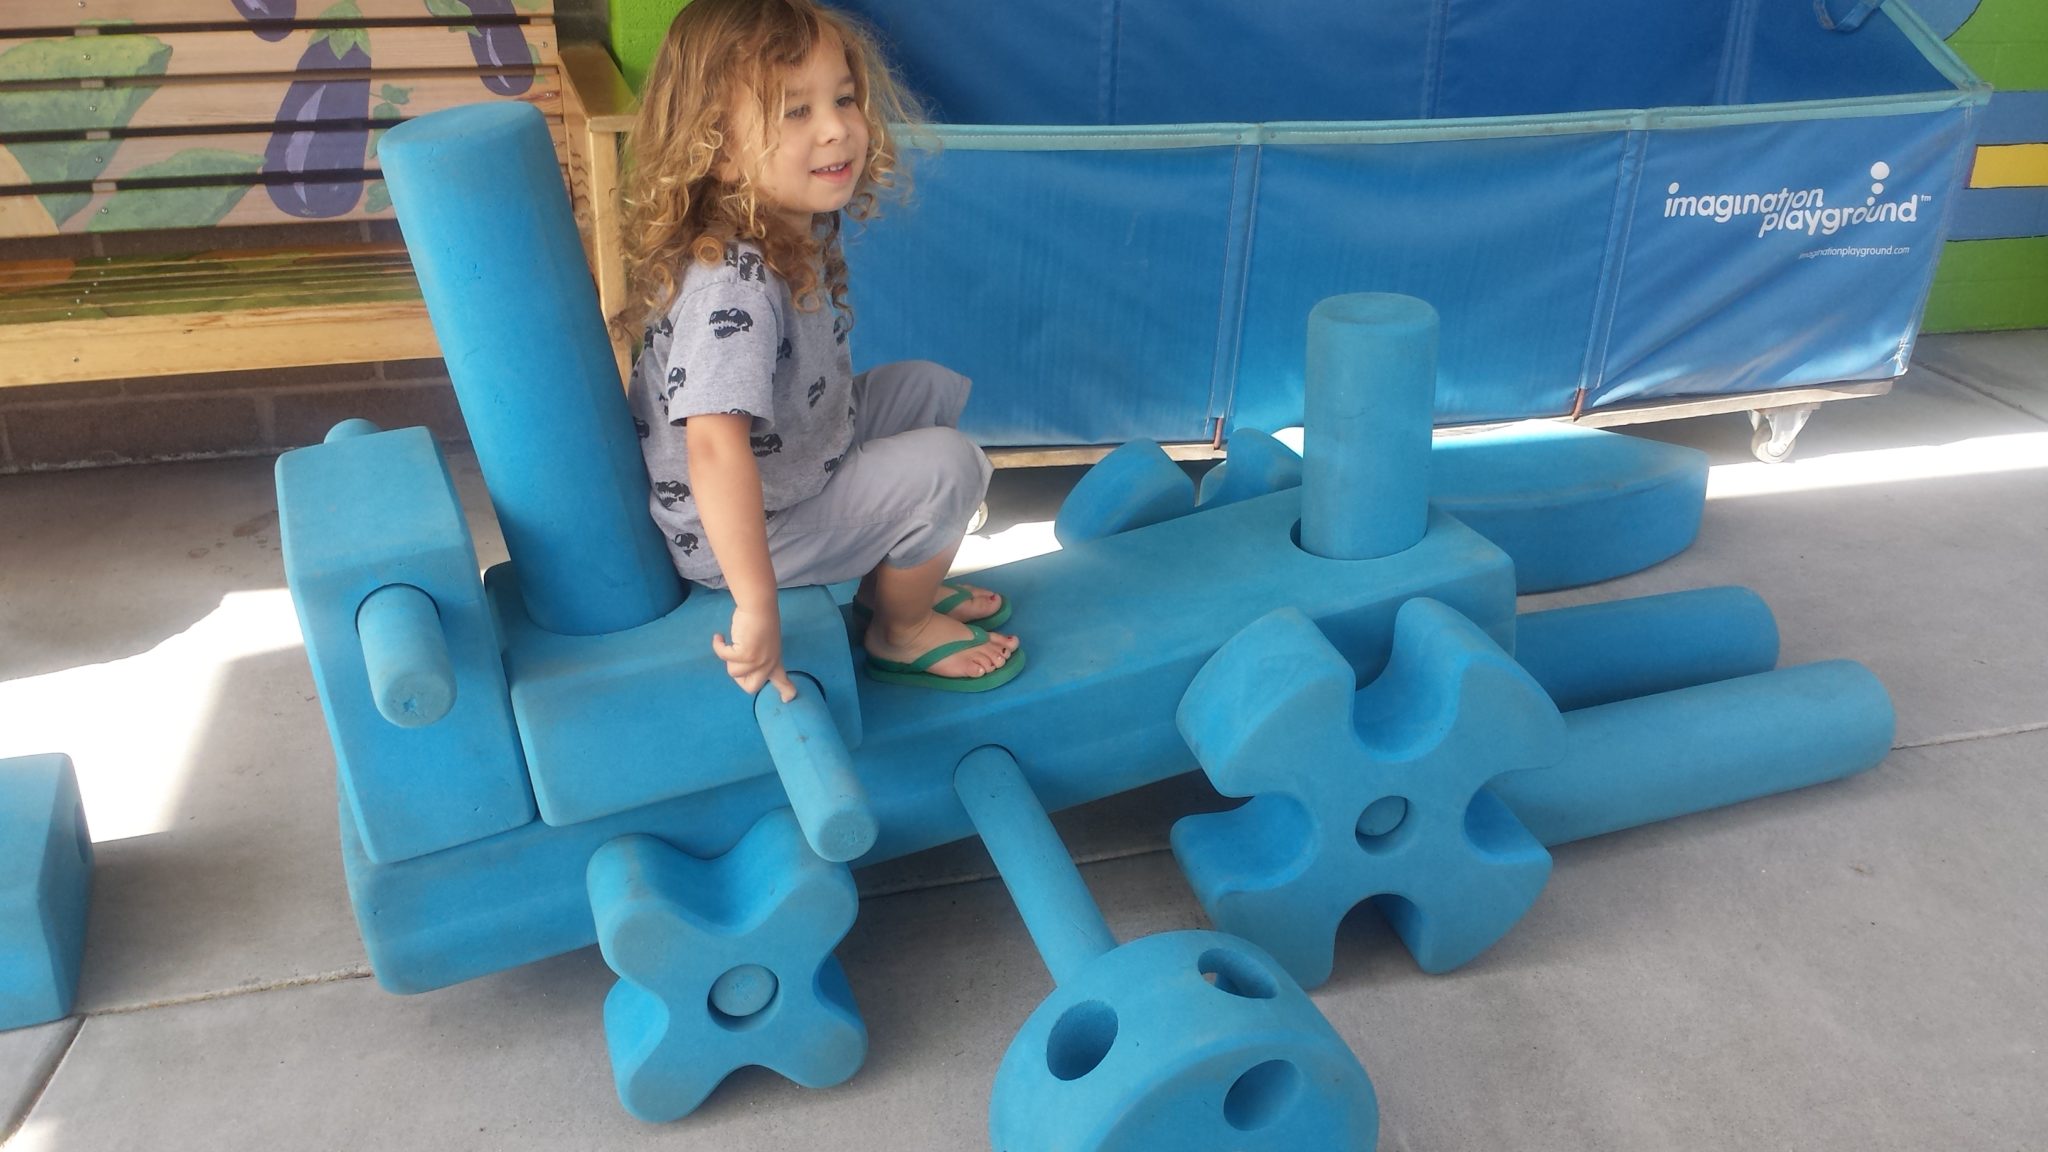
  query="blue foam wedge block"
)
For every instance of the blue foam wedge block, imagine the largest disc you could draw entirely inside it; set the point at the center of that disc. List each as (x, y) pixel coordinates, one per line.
(1592, 654)
(674, 927)
(1135, 485)
(627, 718)
(1572, 505)
(1092, 716)
(478, 193)
(1365, 793)
(1183, 1040)
(354, 516)
(45, 883)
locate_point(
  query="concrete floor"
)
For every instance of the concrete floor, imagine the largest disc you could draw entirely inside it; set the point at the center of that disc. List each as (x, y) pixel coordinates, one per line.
(1861, 966)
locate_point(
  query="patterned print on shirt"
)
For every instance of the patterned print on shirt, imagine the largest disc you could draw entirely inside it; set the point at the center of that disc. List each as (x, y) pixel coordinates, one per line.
(730, 322)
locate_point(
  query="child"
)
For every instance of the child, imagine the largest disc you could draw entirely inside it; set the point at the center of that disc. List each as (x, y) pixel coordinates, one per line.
(772, 464)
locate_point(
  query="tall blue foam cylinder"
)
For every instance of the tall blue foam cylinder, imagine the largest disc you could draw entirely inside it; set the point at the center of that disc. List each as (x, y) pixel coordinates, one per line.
(1061, 916)
(1639, 761)
(480, 200)
(1368, 408)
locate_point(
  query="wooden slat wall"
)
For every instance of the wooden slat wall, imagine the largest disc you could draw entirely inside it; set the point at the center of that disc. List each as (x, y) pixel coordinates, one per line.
(165, 13)
(239, 102)
(210, 154)
(238, 52)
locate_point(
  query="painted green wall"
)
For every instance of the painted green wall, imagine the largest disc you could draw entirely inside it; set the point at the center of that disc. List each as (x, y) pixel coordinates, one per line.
(1984, 285)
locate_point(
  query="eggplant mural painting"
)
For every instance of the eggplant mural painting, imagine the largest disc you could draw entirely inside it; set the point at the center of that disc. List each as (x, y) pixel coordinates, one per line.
(303, 141)
(269, 16)
(28, 110)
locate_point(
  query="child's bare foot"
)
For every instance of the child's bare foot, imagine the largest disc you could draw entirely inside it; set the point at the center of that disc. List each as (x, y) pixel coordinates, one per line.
(905, 646)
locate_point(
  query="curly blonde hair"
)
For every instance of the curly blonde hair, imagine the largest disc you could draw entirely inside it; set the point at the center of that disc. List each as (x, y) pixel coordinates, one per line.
(677, 208)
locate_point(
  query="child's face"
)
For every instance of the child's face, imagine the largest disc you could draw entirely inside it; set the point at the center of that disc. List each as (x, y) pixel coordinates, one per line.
(818, 147)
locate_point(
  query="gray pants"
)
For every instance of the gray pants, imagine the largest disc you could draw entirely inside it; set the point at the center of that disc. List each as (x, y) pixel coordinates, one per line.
(905, 491)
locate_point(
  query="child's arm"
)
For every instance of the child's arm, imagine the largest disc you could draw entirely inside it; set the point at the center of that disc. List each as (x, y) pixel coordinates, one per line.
(727, 486)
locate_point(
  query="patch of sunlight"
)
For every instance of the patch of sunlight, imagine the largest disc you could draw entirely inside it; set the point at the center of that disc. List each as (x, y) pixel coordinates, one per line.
(1017, 542)
(133, 726)
(1981, 456)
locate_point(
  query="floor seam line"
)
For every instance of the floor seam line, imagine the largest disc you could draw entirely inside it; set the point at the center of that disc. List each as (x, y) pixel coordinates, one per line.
(338, 975)
(1994, 397)
(1984, 734)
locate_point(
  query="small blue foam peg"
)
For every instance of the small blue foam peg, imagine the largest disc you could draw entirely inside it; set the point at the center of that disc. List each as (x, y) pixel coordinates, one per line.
(816, 770)
(406, 656)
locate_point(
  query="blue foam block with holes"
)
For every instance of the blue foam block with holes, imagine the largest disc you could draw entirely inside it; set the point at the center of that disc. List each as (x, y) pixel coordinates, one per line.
(1365, 793)
(1181, 1040)
(45, 883)
(723, 963)
(1572, 505)
(355, 515)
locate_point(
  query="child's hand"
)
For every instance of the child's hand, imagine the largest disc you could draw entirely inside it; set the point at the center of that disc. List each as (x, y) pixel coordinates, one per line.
(754, 657)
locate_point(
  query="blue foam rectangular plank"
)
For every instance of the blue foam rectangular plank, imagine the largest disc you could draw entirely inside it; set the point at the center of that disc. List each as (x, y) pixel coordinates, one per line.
(1091, 715)
(614, 721)
(45, 880)
(356, 515)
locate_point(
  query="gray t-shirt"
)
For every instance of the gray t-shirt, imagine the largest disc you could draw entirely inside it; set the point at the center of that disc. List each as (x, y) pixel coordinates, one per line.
(734, 341)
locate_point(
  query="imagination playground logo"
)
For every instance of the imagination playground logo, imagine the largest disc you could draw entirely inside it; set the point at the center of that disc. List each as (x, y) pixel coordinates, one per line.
(1798, 210)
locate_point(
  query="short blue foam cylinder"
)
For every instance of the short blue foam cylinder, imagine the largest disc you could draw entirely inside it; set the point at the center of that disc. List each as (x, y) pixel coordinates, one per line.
(1051, 896)
(816, 770)
(45, 882)
(406, 655)
(1638, 761)
(1598, 653)
(1368, 398)
(479, 196)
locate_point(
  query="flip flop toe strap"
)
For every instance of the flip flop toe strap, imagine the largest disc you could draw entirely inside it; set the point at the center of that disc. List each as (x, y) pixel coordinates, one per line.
(924, 663)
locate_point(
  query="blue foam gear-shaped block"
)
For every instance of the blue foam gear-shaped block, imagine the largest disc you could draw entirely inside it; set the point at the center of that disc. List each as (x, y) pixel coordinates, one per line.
(751, 931)
(1138, 484)
(1093, 716)
(1189, 1041)
(1374, 792)
(359, 514)
(45, 885)
(1572, 505)
(623, 719)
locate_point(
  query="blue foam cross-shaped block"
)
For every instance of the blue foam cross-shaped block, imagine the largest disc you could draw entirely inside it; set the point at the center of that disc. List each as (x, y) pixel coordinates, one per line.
(724, 963)
(45, 879)
(1373, 793)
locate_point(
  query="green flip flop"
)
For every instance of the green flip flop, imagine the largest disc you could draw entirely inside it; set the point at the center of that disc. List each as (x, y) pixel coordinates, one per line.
(917, 673)
(961, 594)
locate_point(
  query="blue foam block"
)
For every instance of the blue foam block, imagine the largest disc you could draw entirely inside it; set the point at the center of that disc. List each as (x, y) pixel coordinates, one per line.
(722, 964)
(1092, 716)
(1371, 381)
(615, 721)
(1139, 484)
(357, 515)
(45, 882)
(1365, 793)
(1183, 1040)
(1572, 505)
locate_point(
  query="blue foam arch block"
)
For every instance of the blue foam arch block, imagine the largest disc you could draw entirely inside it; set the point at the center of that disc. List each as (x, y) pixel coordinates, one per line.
(1091, 717)
(45, 885)
(1572, 505)
(354, 516)
(1139, 484)
(1365, 793)
(1182, 1040)
(674, 927)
